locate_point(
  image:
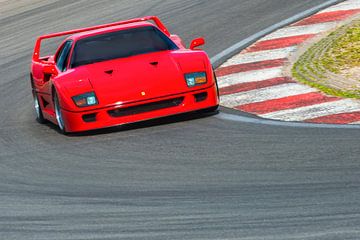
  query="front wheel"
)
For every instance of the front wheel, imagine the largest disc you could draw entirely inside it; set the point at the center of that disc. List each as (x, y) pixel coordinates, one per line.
(58, 114)
(216, 83)
(38, 111)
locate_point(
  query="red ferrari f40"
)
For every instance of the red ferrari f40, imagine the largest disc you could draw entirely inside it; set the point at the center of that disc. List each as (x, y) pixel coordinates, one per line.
(120, 73)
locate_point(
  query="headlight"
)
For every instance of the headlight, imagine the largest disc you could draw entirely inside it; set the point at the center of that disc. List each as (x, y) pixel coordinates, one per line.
(194, 79)
(85, 100)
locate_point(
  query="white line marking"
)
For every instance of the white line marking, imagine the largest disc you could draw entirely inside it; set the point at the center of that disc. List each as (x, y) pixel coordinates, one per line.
(243, 119)
(314, 111)
(347, 5)
(301, 30)
(260, 56)
(358, 122)
(264, 94)
(250, 76)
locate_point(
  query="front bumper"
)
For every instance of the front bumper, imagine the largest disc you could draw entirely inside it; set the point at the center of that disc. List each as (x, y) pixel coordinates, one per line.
(140, 111)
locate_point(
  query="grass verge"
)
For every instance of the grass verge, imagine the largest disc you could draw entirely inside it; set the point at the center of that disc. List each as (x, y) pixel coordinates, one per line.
(324, 64)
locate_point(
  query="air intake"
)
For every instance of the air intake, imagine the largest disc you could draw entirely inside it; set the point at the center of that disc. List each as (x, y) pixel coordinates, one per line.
(121, 112)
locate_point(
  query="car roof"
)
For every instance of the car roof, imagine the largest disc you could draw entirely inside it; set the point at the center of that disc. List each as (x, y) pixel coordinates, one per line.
(91, 33)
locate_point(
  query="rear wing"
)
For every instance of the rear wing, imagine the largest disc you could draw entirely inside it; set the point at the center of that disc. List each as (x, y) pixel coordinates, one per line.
(36, 54)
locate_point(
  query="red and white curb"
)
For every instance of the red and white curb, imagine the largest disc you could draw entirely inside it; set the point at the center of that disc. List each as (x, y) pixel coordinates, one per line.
(255, 80)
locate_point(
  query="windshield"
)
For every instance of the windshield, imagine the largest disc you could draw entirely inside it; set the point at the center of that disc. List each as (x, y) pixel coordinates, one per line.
(120, 44)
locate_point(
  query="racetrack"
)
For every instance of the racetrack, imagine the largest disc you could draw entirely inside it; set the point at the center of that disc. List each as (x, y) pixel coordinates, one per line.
(202, 178)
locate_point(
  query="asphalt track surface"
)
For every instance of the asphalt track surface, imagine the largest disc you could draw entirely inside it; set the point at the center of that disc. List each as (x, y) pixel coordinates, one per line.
(179, 178)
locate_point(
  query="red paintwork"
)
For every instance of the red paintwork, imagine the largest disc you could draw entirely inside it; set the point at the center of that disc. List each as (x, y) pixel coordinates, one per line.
(245, 67)
(296, 101)
(327, 17)
(163, 81)
(279, 43)
(340, 118)
(248, 86)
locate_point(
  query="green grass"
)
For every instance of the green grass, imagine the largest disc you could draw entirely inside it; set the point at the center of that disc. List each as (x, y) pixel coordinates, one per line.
(337, 52)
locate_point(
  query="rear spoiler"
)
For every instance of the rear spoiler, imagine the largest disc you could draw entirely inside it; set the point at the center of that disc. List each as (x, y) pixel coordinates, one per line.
(36, 54)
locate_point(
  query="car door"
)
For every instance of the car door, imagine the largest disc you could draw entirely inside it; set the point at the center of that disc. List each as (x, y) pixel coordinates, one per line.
(61, 63)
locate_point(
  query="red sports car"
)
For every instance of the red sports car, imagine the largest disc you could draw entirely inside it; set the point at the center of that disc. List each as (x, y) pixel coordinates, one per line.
(120, 73)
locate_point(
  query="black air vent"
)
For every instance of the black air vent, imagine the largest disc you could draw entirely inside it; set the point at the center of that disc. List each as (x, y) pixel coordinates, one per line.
(89, 117)
(120, 112)
(199, 97)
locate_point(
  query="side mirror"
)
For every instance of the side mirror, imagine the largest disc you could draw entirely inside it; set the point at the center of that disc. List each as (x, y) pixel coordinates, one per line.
(49, 69)
(197, 42)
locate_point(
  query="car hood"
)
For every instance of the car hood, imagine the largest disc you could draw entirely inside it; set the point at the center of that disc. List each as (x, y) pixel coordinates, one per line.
(143, 77)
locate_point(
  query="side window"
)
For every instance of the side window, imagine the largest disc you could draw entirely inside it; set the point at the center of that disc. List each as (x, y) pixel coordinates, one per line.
(62, 57)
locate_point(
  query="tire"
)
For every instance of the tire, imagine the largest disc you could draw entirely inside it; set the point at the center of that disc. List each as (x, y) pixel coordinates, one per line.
(58, 114)
(217, 86)
(37, 107)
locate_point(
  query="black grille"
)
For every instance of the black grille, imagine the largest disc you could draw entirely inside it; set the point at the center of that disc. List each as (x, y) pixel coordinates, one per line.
(120, 112)
(199, 97)
(89, 117)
